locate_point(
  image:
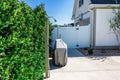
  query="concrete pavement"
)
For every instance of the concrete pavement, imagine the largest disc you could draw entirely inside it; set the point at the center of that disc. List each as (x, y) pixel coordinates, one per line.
(80, 67)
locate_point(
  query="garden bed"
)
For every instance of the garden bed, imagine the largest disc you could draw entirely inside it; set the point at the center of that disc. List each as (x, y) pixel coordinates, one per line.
(101, 52)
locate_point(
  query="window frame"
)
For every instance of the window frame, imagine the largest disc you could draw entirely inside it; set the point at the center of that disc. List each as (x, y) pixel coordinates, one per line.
(81, 2)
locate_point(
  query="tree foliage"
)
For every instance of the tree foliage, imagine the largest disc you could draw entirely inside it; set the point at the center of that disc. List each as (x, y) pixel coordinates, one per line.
(22, 46)
(115, 23)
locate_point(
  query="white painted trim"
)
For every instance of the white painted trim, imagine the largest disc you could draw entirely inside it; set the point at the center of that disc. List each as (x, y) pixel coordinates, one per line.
(103, 5)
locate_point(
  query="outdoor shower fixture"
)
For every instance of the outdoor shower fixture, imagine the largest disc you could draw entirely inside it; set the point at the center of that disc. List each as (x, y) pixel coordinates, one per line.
(52, 18)
(47, 73)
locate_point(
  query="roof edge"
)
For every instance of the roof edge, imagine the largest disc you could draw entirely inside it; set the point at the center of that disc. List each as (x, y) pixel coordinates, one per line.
(103, 6)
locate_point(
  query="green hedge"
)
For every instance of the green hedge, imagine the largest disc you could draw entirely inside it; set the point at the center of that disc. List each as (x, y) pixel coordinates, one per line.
(22, 46)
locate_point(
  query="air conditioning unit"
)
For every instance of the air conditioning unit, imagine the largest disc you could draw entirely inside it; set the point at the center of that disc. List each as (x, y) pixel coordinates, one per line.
(80, 16)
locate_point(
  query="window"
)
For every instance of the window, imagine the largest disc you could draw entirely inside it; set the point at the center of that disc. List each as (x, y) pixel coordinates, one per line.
(81, 2)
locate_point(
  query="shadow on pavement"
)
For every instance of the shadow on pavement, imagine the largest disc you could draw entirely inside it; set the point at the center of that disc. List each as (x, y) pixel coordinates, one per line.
(103, 58)
(74, 53)
(52, 65)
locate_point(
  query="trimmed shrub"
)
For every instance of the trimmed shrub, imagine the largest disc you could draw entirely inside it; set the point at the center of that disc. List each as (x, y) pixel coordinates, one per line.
(22, 46)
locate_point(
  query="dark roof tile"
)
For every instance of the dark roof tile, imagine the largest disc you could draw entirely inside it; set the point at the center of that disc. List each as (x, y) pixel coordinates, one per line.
(105, 1)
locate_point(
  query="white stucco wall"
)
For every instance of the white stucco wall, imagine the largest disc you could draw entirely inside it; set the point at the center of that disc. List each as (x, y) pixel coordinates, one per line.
(104, 36)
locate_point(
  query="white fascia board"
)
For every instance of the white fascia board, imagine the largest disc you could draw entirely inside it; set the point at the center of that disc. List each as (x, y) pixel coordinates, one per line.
(92, 6)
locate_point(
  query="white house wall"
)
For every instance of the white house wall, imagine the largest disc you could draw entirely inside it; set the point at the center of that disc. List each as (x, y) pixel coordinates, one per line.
(83, 9)
(104, 36)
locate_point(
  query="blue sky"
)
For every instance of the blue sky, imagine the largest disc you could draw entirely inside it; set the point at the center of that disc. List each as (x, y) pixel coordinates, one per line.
(61, 10)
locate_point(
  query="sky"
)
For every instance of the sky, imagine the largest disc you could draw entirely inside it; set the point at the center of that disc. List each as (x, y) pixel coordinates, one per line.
(61, 10)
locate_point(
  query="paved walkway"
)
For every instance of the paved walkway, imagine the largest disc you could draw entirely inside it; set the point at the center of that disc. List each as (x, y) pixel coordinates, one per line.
(87, 68)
